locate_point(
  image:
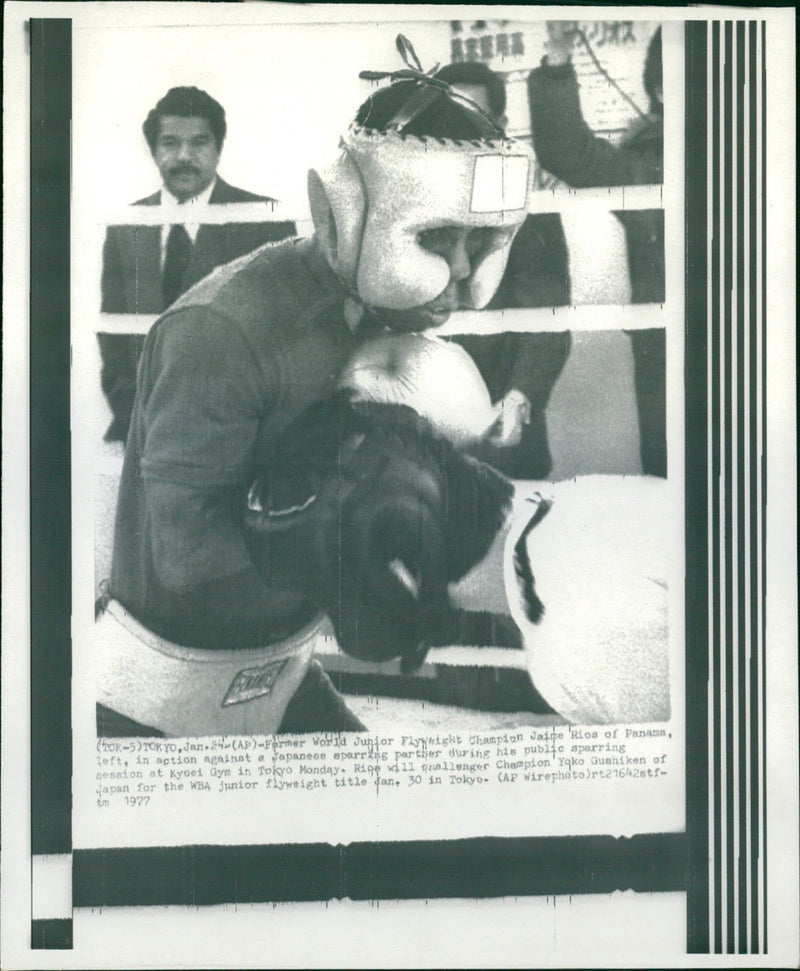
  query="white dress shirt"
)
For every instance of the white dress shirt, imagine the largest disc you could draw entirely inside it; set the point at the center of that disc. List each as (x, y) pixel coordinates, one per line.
(168, 199)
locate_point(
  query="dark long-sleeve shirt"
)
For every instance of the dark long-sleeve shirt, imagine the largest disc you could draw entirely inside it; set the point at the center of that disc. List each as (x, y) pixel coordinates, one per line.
(223, 373)
(566, 147)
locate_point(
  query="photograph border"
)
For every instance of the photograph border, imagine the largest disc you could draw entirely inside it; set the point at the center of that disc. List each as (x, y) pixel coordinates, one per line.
(470, 868)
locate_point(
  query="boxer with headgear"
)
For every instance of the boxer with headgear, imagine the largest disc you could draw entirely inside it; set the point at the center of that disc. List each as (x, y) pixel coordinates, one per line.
(413, 219)
(417, 212)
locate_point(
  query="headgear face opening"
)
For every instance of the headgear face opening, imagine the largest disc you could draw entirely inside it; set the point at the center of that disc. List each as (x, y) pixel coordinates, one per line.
(385, 188)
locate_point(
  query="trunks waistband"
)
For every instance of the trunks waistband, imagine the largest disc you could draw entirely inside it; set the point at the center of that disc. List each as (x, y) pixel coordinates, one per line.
(184, 691)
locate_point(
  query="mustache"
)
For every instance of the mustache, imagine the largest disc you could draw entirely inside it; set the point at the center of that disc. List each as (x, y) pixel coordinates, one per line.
(183, 169)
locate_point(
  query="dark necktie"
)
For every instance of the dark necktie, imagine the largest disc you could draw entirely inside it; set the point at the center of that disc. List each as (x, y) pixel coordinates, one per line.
(176, 262)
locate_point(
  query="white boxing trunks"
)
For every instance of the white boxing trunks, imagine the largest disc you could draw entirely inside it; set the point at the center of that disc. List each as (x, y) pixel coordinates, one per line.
(184, 691)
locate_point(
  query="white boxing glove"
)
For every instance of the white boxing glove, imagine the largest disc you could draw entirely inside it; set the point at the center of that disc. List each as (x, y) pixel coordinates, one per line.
(437, 378)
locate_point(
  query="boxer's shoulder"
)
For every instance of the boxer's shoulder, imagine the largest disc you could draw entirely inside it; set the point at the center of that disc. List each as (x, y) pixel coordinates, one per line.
(266, 295)
(250, 284)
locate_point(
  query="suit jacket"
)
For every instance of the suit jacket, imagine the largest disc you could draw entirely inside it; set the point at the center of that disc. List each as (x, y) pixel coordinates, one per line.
(537, 275)
(131, 284)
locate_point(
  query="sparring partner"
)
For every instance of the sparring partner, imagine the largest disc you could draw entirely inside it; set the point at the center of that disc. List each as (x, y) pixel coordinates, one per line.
(413, 220)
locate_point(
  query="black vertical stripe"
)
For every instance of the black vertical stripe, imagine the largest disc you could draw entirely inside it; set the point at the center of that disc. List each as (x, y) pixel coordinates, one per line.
(697, 486)
(716, 396)
(752, 700)
(53, 934)
(741, 505)
(50, 496)
(727, 404)
(764, 326)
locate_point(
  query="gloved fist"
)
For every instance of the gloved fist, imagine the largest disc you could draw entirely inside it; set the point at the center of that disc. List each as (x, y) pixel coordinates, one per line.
(437, 378)
(371, 516)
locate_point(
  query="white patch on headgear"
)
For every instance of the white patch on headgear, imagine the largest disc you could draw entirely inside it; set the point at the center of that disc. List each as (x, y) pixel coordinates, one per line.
(500, 182)
(386, 188)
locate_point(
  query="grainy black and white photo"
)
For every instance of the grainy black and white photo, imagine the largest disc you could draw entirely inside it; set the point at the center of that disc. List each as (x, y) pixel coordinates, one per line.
(393, 576)
(371, 458)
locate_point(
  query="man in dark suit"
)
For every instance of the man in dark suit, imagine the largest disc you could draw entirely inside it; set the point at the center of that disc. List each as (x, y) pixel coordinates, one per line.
(146, 268)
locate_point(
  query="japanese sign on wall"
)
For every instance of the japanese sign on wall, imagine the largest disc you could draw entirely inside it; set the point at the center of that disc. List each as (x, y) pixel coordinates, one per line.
(514, 48)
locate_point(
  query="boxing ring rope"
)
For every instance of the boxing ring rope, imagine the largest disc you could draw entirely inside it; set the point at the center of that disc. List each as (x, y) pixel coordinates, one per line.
(499, 670)
(640, 316)
(561, 200)
(207, 215)
(462, 655)
(556, 200)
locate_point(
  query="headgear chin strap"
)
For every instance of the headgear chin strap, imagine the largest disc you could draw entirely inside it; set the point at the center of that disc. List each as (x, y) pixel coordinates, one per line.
(385, 188)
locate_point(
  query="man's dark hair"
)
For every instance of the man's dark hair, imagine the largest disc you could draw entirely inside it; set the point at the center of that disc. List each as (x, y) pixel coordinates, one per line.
(653, 74)
(475, 72)
(436, 116)
(186, 103)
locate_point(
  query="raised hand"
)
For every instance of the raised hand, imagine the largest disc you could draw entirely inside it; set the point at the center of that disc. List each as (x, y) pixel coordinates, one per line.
(560, 37)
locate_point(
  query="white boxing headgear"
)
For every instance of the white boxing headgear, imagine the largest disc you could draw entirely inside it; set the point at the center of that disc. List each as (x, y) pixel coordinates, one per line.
(385, 188)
